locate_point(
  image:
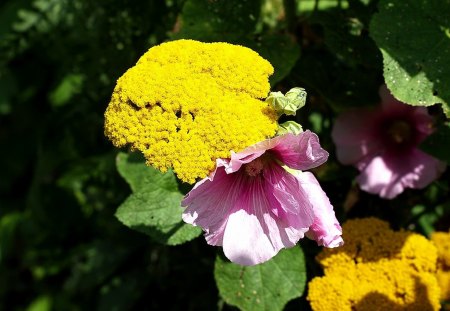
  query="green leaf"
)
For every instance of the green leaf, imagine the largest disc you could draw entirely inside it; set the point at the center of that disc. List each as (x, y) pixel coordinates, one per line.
(41, 303)
(268, 286)
(154, 207)
(70, 85)
(9, 224)
(427, 217)
(437, 143)
(414, 38)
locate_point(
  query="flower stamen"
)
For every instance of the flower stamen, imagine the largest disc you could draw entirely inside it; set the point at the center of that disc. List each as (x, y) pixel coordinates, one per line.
(400, 132)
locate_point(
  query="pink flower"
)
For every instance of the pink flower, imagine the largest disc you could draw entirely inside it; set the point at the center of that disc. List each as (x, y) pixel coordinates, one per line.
(254, 207)
(382, 144)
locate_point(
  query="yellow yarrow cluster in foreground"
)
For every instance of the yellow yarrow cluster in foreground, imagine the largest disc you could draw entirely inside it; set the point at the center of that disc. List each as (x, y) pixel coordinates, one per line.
(376, 269)
(186, 103)
(442, 242)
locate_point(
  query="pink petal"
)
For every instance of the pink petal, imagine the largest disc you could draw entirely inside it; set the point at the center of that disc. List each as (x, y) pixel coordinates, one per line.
(208, 205)
(354, 137)
(385, 94)
(251, 153)
(300, 152)
(253, 218)
(390, 104)
(288, 200)
(253, 234)
(378, 178)
(393, 107)
(422, 121)
(418, 117)
(325, 230)
(425, 169)
(245, 241)
(388, 175)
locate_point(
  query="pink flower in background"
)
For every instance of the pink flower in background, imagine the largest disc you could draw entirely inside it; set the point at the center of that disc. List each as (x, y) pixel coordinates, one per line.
(382, 144)
(254, 207)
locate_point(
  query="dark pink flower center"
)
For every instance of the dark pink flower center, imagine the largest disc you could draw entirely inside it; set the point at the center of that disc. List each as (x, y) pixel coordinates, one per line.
(399, 134)
(255, 167)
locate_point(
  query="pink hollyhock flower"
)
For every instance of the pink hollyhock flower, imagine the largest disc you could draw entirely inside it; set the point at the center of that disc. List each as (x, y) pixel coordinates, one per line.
(254, 207)
(382, 144)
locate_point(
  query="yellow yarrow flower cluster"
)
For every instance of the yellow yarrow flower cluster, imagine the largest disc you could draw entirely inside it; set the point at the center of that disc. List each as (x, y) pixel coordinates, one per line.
(376, 269)
(442, 242)
(186, 103)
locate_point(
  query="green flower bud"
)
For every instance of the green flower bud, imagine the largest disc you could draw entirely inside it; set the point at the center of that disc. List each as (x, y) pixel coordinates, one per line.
(287, 104)
(297, 97)
(289, 127)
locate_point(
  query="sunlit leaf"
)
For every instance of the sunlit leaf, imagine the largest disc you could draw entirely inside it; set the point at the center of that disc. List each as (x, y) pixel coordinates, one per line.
(268, 286)
(154, 206)
(41, 303)
(414, 37)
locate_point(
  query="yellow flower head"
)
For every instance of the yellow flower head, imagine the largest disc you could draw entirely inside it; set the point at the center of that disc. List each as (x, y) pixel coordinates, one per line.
(442, 242)
(186, 103)
(376, 269)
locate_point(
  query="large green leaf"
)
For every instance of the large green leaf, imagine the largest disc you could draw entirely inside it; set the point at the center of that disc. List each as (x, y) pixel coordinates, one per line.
(437, 143)
(268, 286)
(154, 206)
(414, 37)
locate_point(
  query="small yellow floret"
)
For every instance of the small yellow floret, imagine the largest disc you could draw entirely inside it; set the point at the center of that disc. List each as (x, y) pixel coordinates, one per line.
(187, 103)
(442, 242)
(376, 269)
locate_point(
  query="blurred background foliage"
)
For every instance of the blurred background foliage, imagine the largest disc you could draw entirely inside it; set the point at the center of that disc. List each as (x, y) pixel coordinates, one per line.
(61, 245)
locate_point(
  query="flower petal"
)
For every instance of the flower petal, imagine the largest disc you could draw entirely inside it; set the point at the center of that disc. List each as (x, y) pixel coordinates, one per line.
(251, 153)
(388, 175)
(288, 200)
(378, 178)
(354, 135)
(245, 241)
(253, 234)
(325, 230)
(253, 218)
(300, 152)
(425, 169)
(210, 202)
